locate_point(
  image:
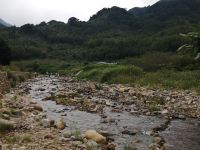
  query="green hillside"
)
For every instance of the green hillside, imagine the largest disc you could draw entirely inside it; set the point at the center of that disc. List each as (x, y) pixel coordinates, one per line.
(113, 34)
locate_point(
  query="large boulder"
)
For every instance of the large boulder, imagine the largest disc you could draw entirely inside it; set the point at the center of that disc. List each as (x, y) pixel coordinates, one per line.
(94, 136)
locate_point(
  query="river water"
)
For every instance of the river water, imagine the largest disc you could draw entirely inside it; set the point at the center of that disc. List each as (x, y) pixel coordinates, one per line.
(180, 134)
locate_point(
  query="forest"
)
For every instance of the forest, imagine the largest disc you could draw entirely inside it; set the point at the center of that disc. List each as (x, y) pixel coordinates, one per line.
(146, 37)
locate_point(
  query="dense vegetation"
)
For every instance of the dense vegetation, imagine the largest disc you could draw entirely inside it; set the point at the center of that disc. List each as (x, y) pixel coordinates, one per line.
(144, 37)
(5, 53)
(111, 34)
(128, 74)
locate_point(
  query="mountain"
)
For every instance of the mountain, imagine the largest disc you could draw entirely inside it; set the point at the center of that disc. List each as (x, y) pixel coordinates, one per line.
(166, 10)
(4, 24)
(112, 15)
(111, 33)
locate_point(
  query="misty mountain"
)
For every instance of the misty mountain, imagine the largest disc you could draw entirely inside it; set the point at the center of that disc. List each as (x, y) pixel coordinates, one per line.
(4, 24)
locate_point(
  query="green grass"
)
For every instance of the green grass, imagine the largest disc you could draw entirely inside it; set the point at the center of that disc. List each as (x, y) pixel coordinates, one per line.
(129, 74)
(111, 73)
(171, 80)
(49, 65)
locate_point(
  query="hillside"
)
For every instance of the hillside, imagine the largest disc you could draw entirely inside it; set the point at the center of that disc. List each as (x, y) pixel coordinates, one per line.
(109, 35)
(4, 24)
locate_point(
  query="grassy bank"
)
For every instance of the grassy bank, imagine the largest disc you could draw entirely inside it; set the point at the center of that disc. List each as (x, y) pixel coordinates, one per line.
(49, 65)
(15, 75)
(169, 79)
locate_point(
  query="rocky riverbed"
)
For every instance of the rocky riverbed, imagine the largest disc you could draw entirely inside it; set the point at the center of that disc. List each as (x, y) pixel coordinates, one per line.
(64, 113)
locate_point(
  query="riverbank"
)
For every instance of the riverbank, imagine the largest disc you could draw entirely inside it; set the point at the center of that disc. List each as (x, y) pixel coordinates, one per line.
(56, 112)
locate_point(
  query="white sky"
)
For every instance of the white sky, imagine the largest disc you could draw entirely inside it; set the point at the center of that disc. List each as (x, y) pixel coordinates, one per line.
(19, 12)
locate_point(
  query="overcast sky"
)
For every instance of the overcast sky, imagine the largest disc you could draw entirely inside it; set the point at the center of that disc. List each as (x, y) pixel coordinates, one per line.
(19, 12)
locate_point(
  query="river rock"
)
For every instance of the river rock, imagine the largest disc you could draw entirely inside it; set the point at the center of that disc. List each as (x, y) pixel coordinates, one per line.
(37, 107)
(60, 124)
(181, 117)
(67, 134)
(93, 135)
(5, 116)
(92, 145)
(46, 123)
(164, 112)
(123, 89)
(76, 143)
(49, 136)
(104, 133)
(111, 146)
(130, 132)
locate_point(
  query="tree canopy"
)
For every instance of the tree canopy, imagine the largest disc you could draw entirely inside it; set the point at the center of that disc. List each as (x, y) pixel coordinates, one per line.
(5, 53)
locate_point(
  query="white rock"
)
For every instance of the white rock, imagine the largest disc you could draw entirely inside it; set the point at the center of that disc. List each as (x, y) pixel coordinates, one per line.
(46, 123)
(165, 112)
(94, 136)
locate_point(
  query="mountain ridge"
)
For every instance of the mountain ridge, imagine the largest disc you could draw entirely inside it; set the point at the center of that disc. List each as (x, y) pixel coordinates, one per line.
(111, 33)
(4, 23)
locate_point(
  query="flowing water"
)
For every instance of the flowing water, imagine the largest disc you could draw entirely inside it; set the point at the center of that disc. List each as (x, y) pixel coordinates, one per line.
(180, 135)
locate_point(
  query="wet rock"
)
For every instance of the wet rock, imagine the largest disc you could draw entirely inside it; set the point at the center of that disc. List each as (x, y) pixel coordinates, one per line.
(41, 89)
(92, 145)
(93, 135)
(60, 124)
(180, 117)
